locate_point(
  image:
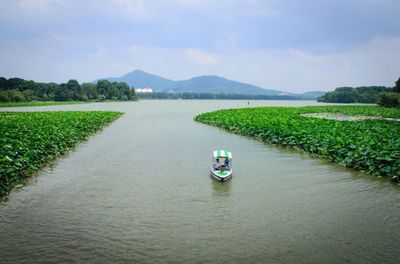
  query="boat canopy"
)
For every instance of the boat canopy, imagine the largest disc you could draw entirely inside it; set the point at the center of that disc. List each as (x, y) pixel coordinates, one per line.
(222, 154)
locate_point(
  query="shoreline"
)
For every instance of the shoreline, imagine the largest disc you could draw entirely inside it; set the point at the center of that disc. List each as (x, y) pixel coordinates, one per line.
(33, 140)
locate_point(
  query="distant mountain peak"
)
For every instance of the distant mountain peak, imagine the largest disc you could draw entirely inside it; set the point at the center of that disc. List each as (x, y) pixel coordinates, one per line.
(208, 76)
(135, 72)
(200, 84)
(141, 73)
(141, 79)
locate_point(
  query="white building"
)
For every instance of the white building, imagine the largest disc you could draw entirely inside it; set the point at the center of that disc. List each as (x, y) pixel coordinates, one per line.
(144, 90)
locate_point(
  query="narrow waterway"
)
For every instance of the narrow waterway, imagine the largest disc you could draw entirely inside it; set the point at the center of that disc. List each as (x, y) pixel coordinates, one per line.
(140, 192)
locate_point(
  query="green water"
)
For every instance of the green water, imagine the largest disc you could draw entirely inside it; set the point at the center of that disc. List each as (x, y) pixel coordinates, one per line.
(140, 191)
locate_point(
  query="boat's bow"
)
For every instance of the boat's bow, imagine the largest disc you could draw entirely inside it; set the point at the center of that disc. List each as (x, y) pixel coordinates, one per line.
(221, 175)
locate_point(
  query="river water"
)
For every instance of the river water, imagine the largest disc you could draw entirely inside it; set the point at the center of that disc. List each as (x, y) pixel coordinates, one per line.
(140, 192)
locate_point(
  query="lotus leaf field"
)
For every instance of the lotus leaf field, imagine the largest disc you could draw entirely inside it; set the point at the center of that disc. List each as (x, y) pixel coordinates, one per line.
(40, 103)
(29, 141)
(369, 145)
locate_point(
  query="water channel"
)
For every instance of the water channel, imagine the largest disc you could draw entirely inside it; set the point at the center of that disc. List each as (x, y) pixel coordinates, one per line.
(139, 191)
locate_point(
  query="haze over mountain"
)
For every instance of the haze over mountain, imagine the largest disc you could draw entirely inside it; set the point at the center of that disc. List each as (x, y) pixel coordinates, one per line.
(140, 79)
(200, 84)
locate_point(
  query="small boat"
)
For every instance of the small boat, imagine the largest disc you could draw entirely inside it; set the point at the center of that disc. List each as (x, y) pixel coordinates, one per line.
(221, 168)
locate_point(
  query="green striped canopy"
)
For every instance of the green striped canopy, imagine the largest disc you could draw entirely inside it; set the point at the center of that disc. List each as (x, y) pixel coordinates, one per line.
(222, 154)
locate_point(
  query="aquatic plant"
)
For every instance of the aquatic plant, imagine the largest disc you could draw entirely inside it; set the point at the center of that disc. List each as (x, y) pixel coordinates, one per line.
(29, 141)
(369, 145)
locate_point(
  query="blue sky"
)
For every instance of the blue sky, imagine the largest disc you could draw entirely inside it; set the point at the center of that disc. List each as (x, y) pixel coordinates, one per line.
(287, 45)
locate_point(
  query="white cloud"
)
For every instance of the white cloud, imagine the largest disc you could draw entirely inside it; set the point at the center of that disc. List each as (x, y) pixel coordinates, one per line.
(200, 57)
(375, 63)
(178, 9)
(136, 9)
(34, 6)
(61, 51)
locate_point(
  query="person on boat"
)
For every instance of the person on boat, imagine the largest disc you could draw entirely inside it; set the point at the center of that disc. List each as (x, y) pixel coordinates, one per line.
(222, 168)
(226, 163)
(217, 164)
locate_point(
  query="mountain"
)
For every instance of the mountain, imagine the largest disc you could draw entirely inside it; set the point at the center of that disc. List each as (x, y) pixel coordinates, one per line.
(216, 84)
(201, 84)
(141, 79)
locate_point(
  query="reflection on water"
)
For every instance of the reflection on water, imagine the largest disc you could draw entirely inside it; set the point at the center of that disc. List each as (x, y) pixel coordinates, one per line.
(221, 189)
(140, 191)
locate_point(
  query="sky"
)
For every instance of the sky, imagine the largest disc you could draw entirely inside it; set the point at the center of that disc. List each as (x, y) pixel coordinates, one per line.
(289, 45)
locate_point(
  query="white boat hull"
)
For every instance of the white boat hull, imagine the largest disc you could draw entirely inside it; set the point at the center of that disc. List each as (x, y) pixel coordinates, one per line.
(216, 175)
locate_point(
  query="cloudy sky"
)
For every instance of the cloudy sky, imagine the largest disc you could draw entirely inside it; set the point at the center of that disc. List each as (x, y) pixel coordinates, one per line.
(291, 45)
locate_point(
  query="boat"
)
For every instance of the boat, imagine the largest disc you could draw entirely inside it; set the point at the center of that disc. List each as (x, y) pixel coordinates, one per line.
(221, 168)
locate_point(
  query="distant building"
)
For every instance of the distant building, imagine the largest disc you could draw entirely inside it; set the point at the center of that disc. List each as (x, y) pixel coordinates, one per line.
(144, 90)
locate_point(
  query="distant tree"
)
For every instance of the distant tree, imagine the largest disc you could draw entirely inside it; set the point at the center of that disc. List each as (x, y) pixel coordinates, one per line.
(14, 83)
(3, 83)
(51, 90)
(124, 92)
(113, 92)
(90, 91)
(396, 88)
(29, 95)
(103, 88)
(16, 96)
(27, 85)
(63, 94)
(74, 90)
(17, 89)
(364, 94)
(4, 97)
(391, 99)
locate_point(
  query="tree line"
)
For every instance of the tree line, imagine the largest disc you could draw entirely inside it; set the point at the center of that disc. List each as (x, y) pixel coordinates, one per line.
(384, 96)
(364, 94)
(217, 96)
(20, 90)
(392, 98)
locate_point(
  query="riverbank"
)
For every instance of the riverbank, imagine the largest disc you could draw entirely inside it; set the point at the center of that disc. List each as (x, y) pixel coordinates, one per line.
(49, 103)
(40, 103)
(369, 145)
(29, 141)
